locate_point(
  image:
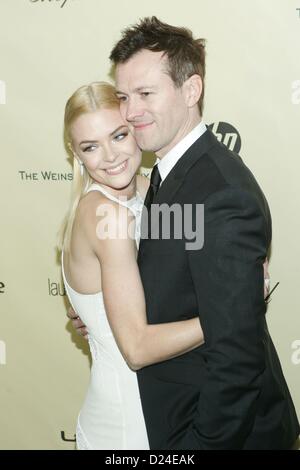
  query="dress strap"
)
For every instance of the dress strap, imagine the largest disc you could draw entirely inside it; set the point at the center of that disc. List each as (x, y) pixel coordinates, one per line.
(135, 205)
(123, 201)
(97, 187)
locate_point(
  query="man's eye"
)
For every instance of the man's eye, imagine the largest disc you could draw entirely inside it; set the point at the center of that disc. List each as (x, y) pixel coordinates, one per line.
(122, 98)
(145, 93)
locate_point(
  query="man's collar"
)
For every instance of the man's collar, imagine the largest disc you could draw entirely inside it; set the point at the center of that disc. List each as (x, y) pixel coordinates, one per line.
(166, 164)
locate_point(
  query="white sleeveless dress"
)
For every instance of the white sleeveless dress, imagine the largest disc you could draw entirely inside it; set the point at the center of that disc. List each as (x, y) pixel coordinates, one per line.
(111, 416)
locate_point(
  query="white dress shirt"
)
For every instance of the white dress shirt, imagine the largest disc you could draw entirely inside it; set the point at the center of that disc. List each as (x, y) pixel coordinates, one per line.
(166, 164)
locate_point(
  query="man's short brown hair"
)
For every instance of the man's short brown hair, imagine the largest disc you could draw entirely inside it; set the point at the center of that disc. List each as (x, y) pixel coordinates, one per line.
(186, 55)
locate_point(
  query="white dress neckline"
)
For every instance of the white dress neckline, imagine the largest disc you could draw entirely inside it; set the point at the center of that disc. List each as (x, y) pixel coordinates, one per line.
(134, 204)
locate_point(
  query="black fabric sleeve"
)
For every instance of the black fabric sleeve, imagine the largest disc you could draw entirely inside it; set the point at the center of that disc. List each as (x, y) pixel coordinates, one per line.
(228, 279)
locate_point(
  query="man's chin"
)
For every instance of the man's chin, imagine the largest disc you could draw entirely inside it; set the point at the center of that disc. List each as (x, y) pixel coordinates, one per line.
(144, 145)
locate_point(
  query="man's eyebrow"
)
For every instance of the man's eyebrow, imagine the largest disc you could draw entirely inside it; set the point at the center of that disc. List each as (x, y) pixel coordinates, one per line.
(148, 87)
(138, 89)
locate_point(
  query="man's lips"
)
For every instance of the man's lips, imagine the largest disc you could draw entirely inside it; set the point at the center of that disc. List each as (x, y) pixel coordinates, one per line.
(141, 125)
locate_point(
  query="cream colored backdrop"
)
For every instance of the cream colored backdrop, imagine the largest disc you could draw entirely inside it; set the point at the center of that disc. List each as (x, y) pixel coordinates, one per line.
(47, 49)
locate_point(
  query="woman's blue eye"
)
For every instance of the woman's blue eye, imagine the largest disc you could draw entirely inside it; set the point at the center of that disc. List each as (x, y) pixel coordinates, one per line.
(120, 136)
(90, 148)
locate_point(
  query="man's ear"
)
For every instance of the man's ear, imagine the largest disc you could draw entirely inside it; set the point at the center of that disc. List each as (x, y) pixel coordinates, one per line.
(192, 90)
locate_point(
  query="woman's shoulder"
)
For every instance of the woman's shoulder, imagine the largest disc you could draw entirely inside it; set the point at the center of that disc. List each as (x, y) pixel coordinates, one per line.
(88, 205)
(95, 208)
(93, 204)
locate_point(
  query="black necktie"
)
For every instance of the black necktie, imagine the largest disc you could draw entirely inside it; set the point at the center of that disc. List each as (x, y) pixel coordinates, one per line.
(155, 181)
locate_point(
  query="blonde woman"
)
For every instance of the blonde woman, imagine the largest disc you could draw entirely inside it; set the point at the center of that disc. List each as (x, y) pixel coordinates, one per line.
(99, 244)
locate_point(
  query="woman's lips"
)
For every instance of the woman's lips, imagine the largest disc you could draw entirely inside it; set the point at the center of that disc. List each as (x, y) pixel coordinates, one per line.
(117, 169)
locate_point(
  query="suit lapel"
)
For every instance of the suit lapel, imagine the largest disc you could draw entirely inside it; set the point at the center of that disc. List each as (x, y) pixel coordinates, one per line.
(175, 179)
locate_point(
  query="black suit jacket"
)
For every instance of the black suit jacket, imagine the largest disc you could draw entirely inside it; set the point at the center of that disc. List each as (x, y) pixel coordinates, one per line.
(229, 393)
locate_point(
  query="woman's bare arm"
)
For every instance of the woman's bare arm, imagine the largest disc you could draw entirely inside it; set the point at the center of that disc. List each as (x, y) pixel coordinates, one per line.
(141, 344)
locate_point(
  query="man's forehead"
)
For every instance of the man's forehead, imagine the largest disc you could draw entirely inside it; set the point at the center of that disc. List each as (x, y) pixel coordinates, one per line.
(139, 69)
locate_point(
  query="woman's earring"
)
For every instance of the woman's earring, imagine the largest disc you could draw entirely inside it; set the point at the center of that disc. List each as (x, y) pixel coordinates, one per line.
(81, 168)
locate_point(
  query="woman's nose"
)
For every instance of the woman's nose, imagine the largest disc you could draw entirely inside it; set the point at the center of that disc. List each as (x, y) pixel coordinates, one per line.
(110, 154)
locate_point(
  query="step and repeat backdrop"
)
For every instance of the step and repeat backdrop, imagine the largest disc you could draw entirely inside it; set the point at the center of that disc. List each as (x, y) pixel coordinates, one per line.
(48, 48)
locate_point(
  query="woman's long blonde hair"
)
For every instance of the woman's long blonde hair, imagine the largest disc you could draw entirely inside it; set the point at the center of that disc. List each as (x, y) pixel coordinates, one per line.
(87, 99)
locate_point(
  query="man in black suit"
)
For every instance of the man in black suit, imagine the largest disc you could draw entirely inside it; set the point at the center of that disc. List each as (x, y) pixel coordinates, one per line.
(229, 393)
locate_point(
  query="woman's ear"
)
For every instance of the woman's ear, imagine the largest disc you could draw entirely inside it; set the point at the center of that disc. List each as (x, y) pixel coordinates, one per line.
(70, 148)
(193, 89)
(78, 159)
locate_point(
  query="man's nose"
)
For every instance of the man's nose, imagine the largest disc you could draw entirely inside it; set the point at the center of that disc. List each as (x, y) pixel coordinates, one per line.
(133, 110)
